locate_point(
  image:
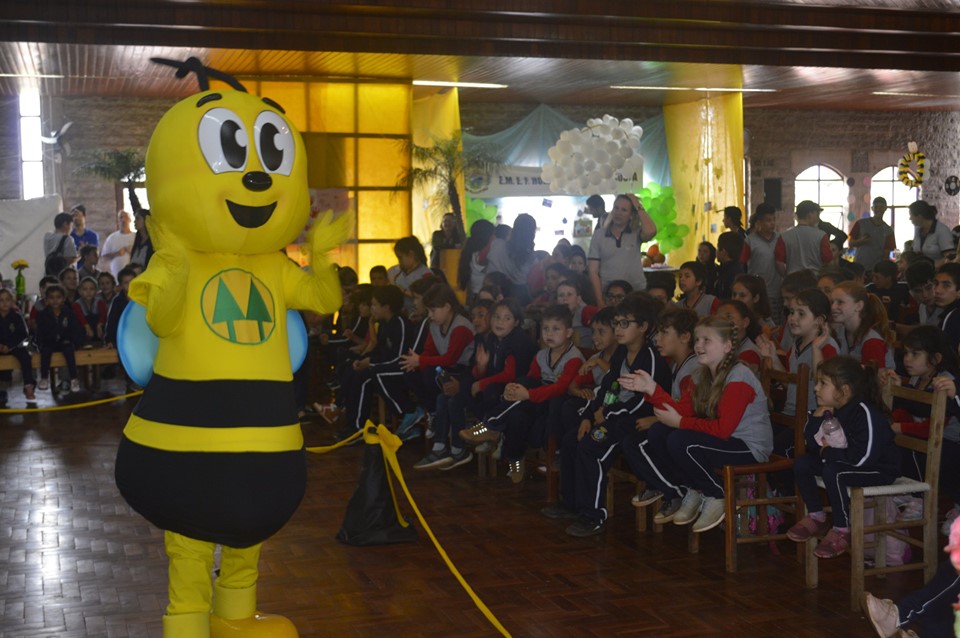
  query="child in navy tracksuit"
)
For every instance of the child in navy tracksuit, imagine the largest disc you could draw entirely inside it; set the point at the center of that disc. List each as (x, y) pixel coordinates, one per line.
(721, 419)
(58, 331)
(608, 423)
(117, 305)
(394, 337)
(13, 339)
(861, 454)
(448, 346)
(527, 405)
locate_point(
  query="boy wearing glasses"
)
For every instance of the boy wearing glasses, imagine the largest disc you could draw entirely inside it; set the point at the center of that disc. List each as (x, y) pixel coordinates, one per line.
(609, 420)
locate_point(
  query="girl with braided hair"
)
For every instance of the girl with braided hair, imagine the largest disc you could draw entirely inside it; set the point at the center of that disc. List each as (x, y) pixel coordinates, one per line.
(721, 420)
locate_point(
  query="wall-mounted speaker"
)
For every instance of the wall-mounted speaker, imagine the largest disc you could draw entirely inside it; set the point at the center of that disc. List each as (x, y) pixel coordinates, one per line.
(772, 193)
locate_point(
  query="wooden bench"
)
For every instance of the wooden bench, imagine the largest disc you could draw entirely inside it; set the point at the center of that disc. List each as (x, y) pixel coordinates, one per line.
(86, 358)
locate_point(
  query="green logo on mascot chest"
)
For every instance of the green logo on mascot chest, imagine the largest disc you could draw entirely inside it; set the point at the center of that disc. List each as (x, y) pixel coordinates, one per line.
(238, 307)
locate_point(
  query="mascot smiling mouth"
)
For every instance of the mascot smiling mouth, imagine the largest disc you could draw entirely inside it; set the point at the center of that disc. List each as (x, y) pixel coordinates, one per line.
(251, 216)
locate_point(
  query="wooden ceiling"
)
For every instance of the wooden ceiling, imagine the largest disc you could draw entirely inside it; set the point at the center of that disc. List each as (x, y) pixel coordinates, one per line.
(823, 54)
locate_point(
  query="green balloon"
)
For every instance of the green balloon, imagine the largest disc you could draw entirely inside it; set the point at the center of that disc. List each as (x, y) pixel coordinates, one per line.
(682, 230)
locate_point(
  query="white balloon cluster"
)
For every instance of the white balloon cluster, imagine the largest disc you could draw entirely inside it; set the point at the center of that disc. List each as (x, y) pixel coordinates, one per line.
(604, 157)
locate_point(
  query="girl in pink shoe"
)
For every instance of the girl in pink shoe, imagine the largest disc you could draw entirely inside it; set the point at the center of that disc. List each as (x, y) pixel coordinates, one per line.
(861, 452)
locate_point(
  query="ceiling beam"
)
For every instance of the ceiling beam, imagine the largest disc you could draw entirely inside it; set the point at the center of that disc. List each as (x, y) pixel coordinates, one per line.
(679, 31)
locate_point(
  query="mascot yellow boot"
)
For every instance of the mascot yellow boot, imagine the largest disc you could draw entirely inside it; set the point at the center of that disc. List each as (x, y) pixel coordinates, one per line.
(213, 452)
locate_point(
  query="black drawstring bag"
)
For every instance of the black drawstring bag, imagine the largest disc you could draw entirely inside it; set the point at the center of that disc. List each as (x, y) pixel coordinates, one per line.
(371, 518)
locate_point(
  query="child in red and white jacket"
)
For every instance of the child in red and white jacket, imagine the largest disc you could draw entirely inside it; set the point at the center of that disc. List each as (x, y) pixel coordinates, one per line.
(722, 419)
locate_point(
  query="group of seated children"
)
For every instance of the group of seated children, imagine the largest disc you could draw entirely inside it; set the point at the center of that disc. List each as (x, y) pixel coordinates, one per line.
(673, 385)
(69, 314)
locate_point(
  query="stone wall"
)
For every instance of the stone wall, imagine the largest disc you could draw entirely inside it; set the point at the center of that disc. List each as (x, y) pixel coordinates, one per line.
(856, 144)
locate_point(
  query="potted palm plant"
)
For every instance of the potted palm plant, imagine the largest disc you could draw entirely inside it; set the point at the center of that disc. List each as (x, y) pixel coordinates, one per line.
(441, 165)
(122, 168)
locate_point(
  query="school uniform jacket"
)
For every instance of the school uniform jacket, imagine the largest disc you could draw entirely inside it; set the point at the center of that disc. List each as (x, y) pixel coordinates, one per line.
(54, 331)
(13, 330)
(706, 305)
(507, 356)
(742, 411)
(361, 327)
(554, 376)
(914, 416)
(630, 403)
(797, 356)
(872, 347)
(749, 353)
(92, 316)
(393, 341)
(682, 375)
(870, 441)
(448, 349)
(950, 323)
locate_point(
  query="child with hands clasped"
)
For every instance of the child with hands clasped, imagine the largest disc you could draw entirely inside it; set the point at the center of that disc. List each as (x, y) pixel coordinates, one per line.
(720, 420)
(850, 444)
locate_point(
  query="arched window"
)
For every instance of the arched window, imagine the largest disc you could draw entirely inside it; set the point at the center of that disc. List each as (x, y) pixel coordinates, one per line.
(885, 184)
(825, 186)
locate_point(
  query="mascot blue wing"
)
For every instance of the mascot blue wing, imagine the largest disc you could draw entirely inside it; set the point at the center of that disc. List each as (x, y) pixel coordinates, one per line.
(296, 339)
(136, 343)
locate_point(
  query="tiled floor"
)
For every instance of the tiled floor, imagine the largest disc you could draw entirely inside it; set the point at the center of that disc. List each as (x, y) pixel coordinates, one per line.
(75, 561)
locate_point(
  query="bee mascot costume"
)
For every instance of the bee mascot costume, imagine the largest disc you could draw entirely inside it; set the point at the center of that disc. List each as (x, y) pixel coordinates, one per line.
(213, 453)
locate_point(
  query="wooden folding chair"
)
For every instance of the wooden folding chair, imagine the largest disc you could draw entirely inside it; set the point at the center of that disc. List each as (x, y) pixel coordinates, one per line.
(737, 478)
(875, 497)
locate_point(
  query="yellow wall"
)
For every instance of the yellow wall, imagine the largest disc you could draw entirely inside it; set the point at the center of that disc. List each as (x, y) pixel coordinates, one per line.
(354, 134)
(705, 143)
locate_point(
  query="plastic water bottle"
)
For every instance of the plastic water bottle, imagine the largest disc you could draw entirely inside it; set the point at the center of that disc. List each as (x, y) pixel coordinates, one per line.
(442, 376)
(830, 424)
(613, 394)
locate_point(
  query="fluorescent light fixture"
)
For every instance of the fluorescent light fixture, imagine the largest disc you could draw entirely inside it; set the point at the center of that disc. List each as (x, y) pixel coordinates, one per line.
(706, 89)
(899, 94)
(459, 85)
(31, 75)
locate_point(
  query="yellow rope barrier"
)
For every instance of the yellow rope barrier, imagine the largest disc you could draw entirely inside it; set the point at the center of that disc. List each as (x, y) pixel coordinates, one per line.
(72, 406)
(390, 443)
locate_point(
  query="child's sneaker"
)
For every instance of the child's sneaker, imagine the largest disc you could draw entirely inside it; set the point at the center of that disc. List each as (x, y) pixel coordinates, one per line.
(689, 508)
(28, 392)
(462, 457)
(478, 434)
(649, 497)
(409, 420)
(74, 385)
(712, 513)
(44, 384)
(667, 511)
(434, 459)
(516, 471)
(806, 529)
(835, 543)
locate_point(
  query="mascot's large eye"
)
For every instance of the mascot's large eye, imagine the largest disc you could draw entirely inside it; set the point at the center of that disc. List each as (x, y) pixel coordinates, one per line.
(223, 140)
(274, 143)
